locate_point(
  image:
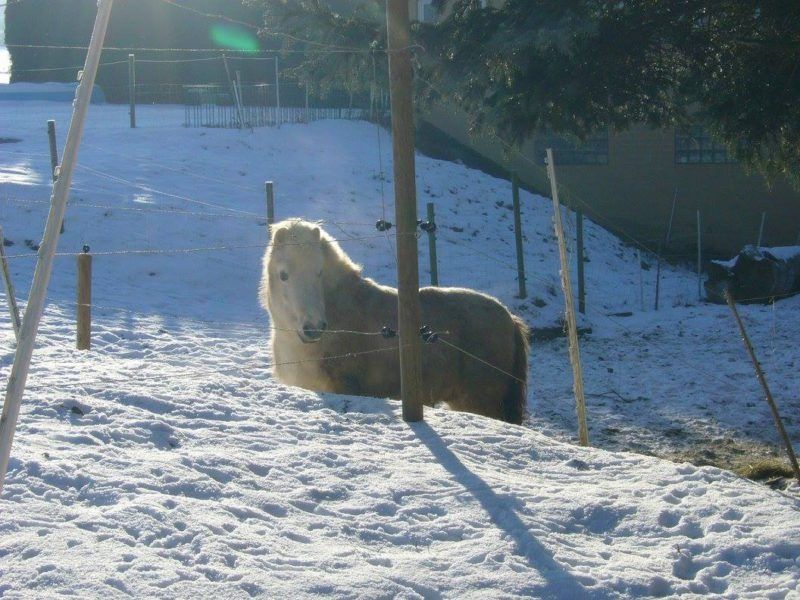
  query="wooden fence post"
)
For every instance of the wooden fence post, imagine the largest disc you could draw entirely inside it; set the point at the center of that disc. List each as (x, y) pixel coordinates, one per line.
(432, 244)
(132, 88)
(518, 235)
(84, 312)
(18, 376)
(10, 294)
(574, 352)
(51, 136)
(763, 381)
(401, 78)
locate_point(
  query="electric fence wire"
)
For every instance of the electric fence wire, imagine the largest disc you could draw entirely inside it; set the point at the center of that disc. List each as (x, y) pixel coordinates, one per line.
(616, 322)
(381, 174)
(193, 319)
(571, 195)
(207, 249)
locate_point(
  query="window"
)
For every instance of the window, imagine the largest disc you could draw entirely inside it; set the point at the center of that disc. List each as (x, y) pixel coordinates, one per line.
(426, 12)
(592, 151)
(695, 145)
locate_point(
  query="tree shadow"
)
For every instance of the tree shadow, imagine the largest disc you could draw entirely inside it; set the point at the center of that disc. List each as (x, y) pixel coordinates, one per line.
(558, 581)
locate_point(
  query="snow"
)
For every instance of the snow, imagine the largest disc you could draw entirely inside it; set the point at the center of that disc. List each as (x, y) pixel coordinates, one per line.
(167, 463)
(756, 253)
(784, 252)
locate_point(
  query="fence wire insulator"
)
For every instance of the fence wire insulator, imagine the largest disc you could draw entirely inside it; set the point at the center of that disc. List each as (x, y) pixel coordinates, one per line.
(427, 226)
(388, 332)
(383, 225)
(428, 336)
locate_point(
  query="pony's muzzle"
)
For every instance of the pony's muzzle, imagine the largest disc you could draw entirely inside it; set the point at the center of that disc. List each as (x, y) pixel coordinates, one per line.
(312, 333)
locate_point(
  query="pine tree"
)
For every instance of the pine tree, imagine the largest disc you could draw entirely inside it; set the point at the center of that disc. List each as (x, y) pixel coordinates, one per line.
(134, 24)
(580, 66)
(342, 41)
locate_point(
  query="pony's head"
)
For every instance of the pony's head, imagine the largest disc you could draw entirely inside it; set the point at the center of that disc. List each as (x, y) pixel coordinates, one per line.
(292, 282)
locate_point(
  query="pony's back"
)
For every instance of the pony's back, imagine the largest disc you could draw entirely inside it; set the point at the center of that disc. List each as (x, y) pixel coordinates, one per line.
(481, 365)
(515, 402)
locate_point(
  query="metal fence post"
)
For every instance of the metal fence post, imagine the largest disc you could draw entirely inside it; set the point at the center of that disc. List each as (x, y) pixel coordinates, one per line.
(270, 205)
(132, 88)
(432, 244)
(518, 235)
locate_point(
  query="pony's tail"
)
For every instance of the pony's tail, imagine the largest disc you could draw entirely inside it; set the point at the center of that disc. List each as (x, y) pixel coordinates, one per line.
(516, 399)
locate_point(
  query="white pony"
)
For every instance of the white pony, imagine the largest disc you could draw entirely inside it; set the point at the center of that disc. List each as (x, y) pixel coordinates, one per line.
(327, 319)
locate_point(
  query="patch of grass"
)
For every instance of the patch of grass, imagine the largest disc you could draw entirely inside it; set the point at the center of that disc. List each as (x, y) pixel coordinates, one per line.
(764, 469)
(751, 460)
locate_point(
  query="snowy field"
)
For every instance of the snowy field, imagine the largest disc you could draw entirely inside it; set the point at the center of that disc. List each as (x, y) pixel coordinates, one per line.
(167, 463)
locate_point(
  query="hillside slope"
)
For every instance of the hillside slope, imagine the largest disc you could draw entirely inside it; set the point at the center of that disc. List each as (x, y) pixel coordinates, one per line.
(167, 463)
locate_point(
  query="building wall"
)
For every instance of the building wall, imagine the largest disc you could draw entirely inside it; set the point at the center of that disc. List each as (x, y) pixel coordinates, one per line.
(633, 193)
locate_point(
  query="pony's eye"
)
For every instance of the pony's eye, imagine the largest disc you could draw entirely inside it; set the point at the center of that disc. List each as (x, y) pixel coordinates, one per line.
(283, 275)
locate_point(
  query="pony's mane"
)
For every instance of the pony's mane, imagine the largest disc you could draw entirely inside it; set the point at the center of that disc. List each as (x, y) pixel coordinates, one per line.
(337, 263)
(336, 258)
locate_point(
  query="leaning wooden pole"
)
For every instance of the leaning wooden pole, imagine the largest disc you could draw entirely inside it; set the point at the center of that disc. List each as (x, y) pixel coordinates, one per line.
(763, 381)
(400, 78)
(665, 246)
(761, 229)
(10, 294)
(234, 92)
(572, 325)
(47, 249)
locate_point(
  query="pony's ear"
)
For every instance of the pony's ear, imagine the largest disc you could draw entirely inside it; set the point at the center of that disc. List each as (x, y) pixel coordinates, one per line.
(279, 236)
(315, 234)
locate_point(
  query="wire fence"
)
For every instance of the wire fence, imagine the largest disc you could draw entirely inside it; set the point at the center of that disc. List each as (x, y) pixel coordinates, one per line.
(465, 243)
(389, 343)
(222, 90)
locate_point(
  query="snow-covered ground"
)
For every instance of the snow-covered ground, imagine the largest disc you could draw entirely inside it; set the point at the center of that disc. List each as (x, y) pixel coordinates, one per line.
(167, 463)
